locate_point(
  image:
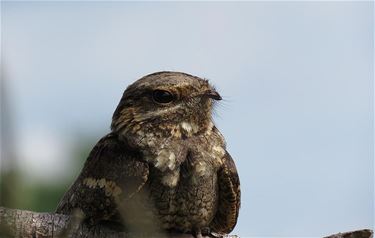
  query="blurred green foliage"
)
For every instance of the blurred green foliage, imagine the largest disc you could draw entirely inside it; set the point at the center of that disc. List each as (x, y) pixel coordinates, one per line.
(19, 192)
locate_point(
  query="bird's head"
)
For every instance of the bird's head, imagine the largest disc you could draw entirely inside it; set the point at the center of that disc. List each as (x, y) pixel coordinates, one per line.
(165, 104)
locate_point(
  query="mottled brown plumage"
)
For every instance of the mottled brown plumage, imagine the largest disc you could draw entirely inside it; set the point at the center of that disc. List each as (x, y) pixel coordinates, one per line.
(164, 166)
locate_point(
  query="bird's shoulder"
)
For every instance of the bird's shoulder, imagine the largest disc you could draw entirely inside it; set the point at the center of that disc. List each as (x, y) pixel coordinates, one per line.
(113, 158)
(112, 172)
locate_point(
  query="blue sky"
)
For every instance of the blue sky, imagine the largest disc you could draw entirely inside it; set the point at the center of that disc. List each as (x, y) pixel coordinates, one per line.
(297, 78)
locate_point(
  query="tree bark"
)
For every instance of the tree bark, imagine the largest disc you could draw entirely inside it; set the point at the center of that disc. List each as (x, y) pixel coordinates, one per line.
(366, 233)
(20, 223)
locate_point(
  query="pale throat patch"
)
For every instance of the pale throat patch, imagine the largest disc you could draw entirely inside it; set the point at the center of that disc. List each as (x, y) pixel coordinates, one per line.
(165, 160)
(189, 128)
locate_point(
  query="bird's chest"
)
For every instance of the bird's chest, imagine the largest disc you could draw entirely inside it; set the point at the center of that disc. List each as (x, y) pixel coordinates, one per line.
(190, 201)
(183, 180)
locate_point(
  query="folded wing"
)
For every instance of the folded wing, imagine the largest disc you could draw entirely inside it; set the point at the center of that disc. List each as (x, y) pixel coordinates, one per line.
(229, 197)
(111, 176)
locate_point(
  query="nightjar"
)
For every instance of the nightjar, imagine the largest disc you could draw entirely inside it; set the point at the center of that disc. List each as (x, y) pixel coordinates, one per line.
(164, 166)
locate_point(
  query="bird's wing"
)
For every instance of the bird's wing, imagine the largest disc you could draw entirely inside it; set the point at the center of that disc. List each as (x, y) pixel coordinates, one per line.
(229, 197)
(111, 175)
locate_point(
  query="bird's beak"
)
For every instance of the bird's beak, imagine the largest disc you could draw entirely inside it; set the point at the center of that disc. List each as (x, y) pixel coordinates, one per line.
(212, 94)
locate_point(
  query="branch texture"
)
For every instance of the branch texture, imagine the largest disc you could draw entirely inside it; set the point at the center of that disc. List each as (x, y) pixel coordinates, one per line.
(20, 223)
(366, 233)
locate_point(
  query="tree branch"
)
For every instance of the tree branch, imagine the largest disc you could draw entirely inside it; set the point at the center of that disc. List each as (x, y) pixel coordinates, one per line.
(366, 233)
(20, 223)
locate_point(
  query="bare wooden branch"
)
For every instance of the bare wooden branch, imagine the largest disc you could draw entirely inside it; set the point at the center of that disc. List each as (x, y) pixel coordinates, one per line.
(20, 223)
(366, 233)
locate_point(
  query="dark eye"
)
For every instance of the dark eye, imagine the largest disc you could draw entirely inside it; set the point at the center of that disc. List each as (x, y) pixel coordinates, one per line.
(162, 96)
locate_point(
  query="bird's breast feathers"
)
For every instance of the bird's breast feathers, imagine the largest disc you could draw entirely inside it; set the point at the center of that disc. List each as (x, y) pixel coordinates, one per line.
(204, 153)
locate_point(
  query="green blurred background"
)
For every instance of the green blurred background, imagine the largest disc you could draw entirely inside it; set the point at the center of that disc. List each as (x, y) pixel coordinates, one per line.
(18, 191)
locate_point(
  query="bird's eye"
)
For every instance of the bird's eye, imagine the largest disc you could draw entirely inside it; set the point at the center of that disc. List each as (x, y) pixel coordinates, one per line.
(162, 96)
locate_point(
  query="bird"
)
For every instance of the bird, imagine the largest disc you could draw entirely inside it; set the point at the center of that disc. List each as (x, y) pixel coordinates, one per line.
(164, 167)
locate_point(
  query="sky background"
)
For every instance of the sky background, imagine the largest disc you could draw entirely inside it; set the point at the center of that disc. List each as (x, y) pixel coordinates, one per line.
(297, 79)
